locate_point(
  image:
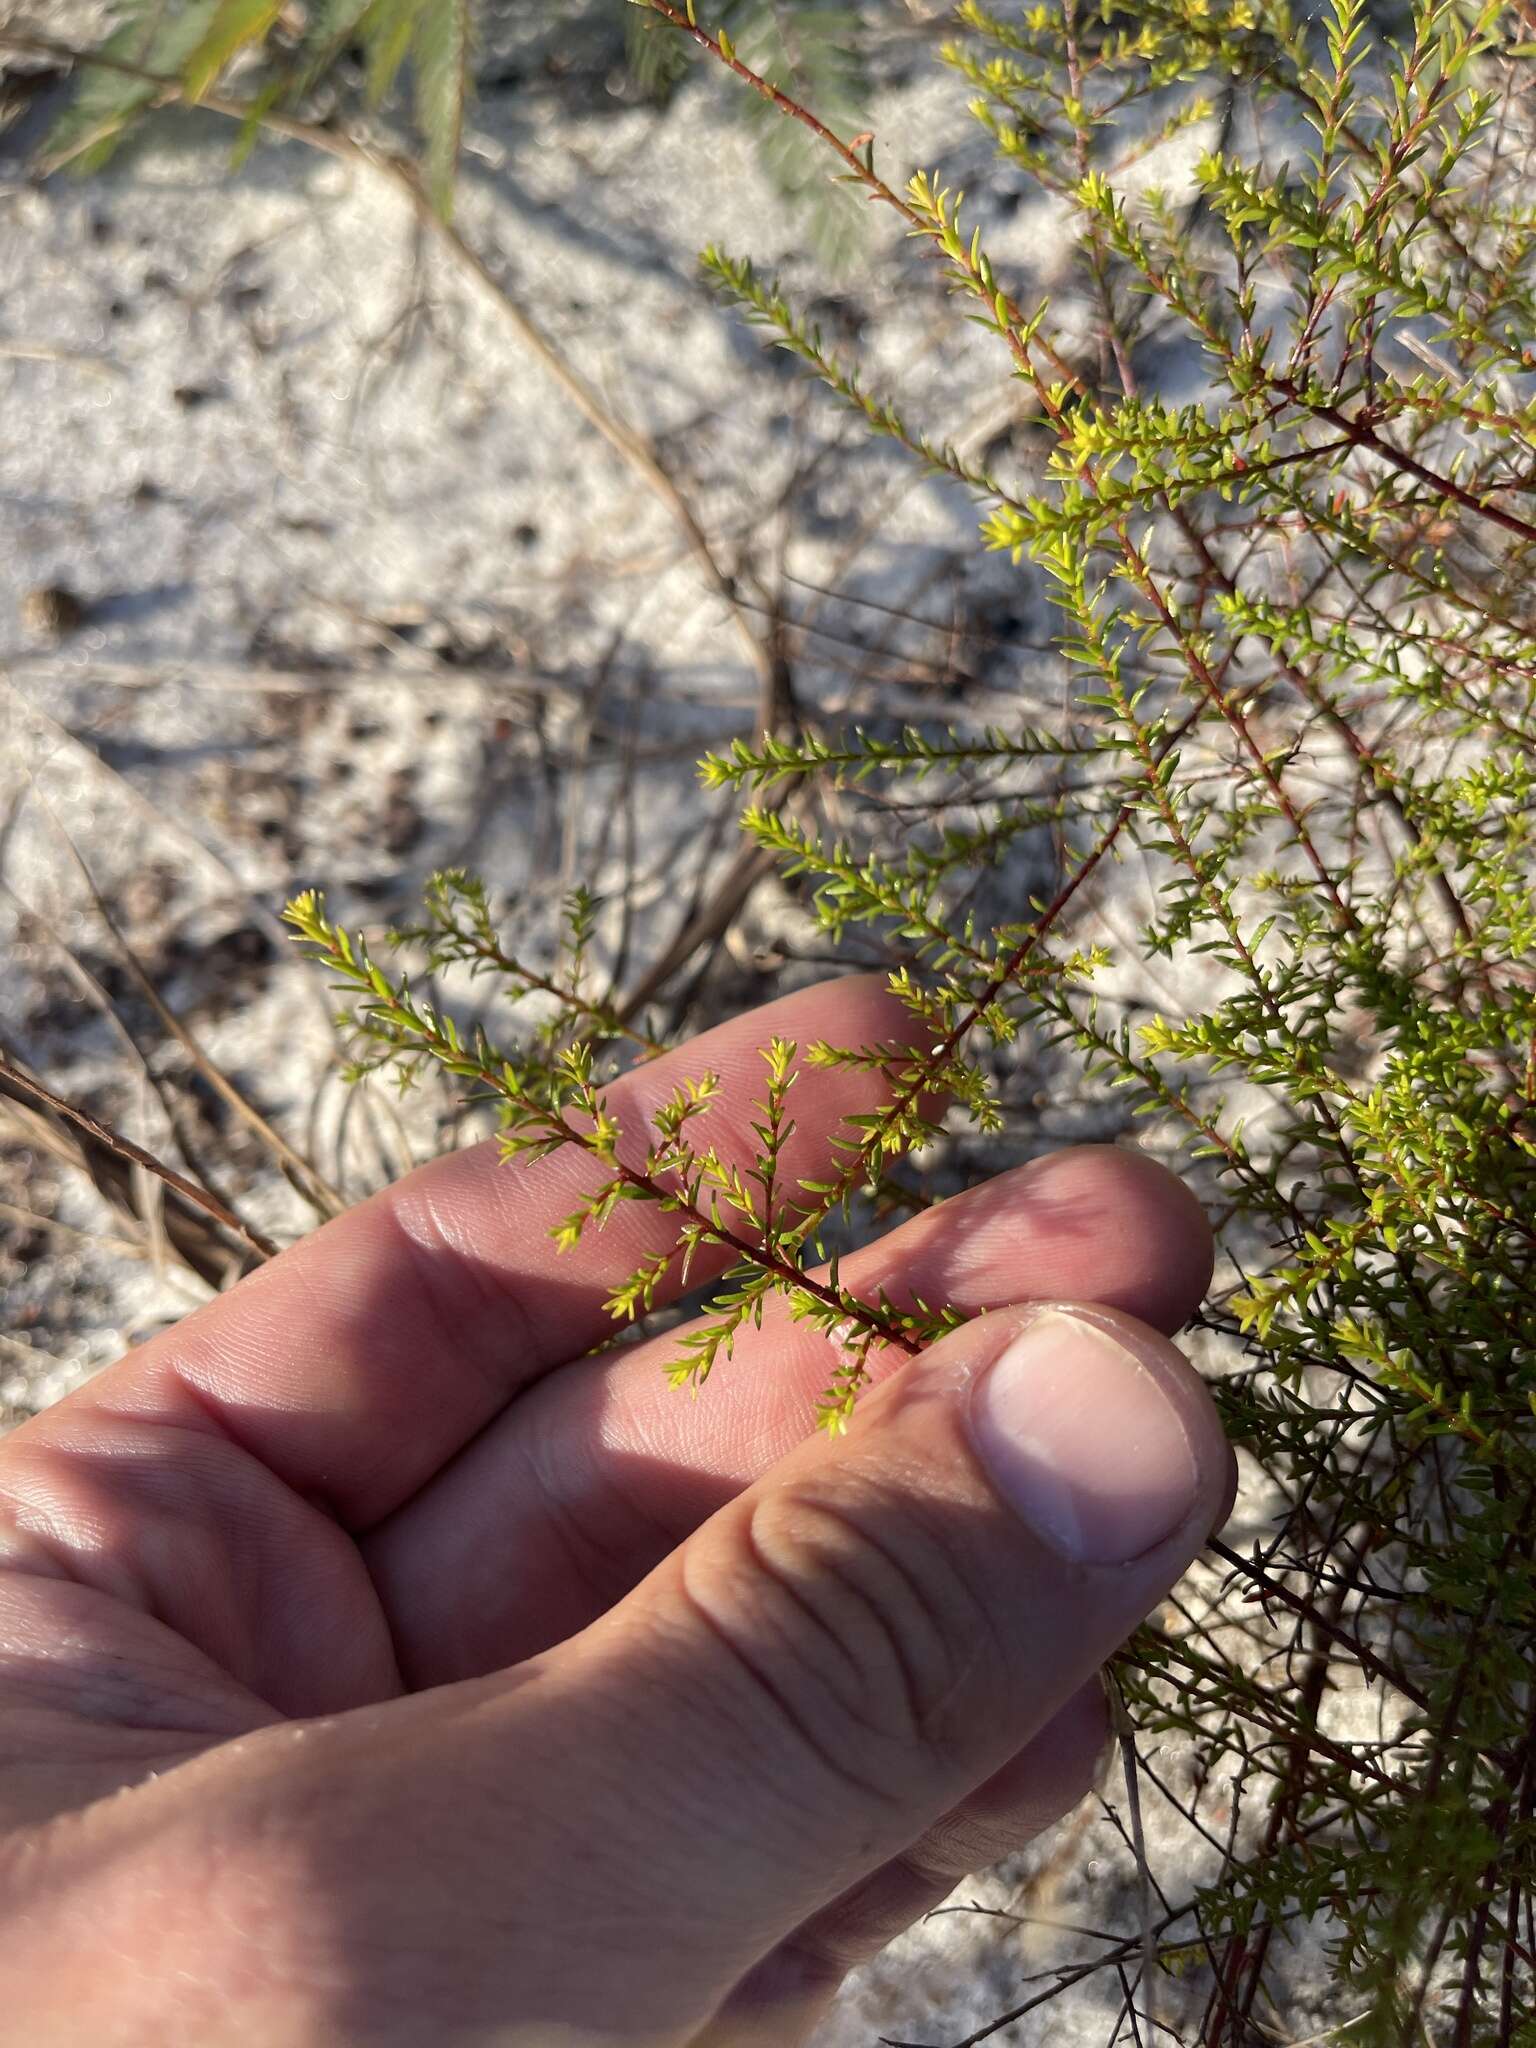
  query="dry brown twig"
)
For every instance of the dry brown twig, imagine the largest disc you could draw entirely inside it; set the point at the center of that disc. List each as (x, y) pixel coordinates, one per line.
(763, 650)
(306, 1177)
(16, 1083)
(626, 440)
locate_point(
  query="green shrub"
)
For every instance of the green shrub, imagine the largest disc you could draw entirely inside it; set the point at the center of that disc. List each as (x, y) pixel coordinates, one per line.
(1299, 611)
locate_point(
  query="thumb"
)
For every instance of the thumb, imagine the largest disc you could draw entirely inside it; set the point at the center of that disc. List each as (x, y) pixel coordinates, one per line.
(857, 1642)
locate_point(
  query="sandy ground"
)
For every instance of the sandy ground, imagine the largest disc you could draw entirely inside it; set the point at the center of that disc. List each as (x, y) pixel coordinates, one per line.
(352, 593)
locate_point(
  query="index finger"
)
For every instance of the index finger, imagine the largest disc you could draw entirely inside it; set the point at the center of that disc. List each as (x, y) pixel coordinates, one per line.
(358, 1362)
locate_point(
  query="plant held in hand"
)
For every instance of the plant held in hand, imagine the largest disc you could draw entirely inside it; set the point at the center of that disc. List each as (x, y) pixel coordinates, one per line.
(1298, 608)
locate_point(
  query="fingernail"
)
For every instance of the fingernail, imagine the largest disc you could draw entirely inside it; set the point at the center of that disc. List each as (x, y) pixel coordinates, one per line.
(1081, 1438)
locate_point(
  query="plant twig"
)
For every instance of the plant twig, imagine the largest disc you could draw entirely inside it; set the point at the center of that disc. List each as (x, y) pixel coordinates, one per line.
(14, 1081)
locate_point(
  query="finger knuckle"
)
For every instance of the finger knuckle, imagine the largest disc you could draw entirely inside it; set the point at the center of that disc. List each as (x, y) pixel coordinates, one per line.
(850, 1612)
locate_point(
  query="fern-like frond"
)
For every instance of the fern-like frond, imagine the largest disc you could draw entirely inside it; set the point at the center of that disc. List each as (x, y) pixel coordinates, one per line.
(149, 37)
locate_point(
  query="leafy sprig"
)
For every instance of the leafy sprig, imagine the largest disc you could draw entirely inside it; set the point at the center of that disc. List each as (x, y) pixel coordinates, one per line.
(550, 1097)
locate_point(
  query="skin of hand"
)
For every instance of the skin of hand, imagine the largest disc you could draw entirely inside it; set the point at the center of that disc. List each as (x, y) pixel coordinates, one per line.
(379, 1664)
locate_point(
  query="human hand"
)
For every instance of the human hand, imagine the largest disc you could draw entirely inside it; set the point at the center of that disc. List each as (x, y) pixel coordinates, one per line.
(378, 1667)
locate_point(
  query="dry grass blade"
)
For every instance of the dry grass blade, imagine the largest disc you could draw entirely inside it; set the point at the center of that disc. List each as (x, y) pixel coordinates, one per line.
(22, 1087)
(305, 1177)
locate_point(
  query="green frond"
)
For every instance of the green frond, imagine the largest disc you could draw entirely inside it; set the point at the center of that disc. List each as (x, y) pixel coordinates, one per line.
(148, 38)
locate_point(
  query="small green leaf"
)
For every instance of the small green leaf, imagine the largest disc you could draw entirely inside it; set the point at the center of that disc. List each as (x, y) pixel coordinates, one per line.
(442, 56)
(236, 24)
(387, 29)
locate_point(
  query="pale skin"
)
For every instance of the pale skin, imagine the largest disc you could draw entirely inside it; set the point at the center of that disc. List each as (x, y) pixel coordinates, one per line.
(378, 1668)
